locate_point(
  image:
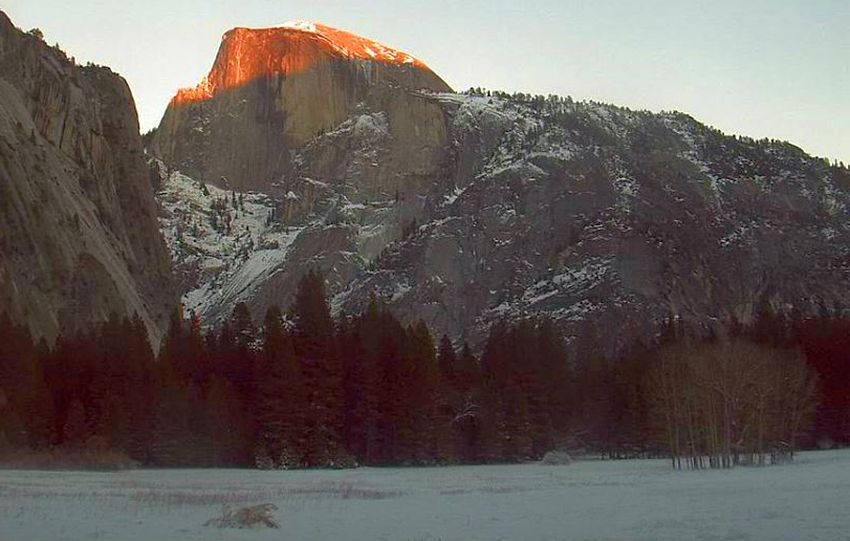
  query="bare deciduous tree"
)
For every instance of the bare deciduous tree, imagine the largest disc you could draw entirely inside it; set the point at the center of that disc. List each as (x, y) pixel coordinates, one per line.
(724, 403)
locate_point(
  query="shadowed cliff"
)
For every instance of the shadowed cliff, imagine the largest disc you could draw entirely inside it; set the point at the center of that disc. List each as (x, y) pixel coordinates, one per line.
(79, 239)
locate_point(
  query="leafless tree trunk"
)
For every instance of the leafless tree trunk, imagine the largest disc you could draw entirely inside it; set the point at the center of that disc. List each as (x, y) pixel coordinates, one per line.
(721, 403)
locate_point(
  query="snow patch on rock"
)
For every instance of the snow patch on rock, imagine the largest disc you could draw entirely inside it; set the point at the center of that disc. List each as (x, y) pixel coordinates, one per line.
(224, 244)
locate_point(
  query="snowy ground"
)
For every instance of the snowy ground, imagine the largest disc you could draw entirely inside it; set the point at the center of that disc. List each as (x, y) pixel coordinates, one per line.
(593, 500)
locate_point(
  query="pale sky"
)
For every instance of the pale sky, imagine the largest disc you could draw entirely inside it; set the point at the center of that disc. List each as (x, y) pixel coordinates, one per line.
(764, 68)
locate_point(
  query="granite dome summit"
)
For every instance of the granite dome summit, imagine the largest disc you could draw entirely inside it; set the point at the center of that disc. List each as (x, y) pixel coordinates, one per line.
(248, 54)
(272, 90)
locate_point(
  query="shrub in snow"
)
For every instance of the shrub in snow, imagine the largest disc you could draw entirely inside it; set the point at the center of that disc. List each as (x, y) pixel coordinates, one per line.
(263, 461)
(825, 443)
(556, 458)
(285, 459)
(255, 516)
(342, 461)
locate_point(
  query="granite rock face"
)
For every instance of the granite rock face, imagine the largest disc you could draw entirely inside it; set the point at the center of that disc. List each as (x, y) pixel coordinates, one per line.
(331, 126)
(79, 238)
(461, 209)
(610, 221)
(271, 91)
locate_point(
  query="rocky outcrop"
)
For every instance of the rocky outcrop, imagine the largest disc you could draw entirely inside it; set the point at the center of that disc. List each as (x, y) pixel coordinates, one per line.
(273, 90)
(79, 238)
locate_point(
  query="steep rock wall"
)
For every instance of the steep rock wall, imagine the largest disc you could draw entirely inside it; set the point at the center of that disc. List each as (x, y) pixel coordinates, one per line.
(79, 239)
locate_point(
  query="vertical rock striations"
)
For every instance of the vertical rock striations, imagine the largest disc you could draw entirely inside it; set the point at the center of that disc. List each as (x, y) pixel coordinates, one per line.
(272, 90)
(79, 239)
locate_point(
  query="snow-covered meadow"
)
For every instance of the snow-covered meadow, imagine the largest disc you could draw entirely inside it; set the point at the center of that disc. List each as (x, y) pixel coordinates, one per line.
(588, 500)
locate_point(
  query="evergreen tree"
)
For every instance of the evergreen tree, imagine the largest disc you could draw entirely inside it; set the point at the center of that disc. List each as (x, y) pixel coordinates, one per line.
(553, 380)
(321, 368)
(468, 373)
(238, 365)
(361, 341)
(25, 404)
(281, 404)
(393, 429)
(467, 408)
(176, 437)
(141, 397)
(75, 430)
(224, 422)
(447, 359)
(431, 429)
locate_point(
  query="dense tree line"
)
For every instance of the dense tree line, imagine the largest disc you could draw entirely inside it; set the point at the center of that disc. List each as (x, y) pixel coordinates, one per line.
(301, 389)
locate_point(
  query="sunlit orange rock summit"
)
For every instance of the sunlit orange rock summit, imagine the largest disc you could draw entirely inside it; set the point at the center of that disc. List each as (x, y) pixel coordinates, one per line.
(248, 54)
(272, 90)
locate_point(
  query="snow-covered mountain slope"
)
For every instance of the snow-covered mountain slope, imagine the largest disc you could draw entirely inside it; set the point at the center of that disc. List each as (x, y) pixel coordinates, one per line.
(605, 219)
(229, 247)
(609, 221)
(224, 245)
